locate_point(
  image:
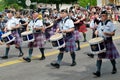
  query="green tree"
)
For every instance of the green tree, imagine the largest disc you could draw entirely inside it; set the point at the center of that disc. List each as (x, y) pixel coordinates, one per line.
(8, 4)
(21, 3)
(84, 3)
(2, 5)
(57, 2)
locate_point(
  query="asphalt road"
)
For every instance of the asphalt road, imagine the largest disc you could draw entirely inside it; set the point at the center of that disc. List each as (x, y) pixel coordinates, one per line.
(15, 68)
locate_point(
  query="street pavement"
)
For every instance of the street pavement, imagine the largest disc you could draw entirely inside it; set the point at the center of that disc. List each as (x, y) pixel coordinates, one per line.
(15, 68)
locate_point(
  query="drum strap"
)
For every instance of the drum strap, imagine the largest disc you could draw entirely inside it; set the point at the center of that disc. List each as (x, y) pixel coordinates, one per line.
(34, 21)
(68, 35)
(105, 22)
(64, 21)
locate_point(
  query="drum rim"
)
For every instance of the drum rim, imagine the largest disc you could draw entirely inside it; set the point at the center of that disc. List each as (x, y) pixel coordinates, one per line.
(55, 39)
(28, 32)
(91, 42)
(10, 40)
(99, 52)
(97, 42)
(63, 45)
(6, 34)
(32, 40)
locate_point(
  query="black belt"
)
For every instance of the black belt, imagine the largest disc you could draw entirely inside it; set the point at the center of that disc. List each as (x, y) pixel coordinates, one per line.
(69, 35)
(108, 39)
(37, 31)
(13, 30)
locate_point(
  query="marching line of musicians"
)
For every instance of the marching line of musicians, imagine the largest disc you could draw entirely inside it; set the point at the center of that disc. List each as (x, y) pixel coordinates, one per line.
(69, 24)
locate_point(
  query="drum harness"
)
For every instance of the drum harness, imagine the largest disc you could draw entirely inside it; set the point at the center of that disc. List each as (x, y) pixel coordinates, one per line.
(31, 28)
(106, 38)
(66, 34)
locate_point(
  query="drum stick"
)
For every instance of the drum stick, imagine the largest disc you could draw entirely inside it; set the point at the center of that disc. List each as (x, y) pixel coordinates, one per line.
(96, 33)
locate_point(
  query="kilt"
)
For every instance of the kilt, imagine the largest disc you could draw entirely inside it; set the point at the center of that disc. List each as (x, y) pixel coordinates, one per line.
(17, 40)
(70, 44)
(111, 51)
(82, 28)
(39, 41)
(77, 35)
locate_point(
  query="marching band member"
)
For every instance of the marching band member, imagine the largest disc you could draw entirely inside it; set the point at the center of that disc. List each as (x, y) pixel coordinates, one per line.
(106, 29)
(66, 26)
(1, 32)
(12, 25)
(17, 16)
(48, 27)
(2, 25)
(82, 27)
(76, 32)
(37, 26)
(23, 23)
(94, 21)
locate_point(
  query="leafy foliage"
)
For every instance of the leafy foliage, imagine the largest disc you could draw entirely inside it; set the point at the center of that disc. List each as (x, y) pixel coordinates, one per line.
(21, 3)
(84, 3)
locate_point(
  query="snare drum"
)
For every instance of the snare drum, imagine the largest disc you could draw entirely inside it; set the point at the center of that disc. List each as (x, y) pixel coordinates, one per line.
(8, 37)
(57, 41)
(97, 45)
(28, 36)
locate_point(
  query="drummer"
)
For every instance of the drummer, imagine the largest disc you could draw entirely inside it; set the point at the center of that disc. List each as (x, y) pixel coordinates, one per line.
(48, 27)
(94, 21)
(77, 35)
(66, 26)
(106, 29)
(37, 27)
(1, 29)
(12, 25)
(1, 32)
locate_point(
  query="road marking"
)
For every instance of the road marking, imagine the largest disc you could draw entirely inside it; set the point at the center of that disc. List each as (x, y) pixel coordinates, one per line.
(47, 54)
(21, 60)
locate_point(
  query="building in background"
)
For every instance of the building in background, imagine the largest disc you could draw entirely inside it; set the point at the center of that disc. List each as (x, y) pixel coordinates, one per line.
(105, 2)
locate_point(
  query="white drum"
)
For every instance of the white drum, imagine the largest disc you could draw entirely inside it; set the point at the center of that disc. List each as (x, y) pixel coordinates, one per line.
(7, 37)
(57, 41)
(97, 45)
(28, 36)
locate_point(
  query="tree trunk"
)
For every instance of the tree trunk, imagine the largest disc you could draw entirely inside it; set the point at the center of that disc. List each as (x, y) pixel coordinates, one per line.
(57, 6)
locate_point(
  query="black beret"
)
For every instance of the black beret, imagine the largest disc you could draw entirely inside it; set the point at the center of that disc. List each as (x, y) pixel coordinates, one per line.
(35, 11)
(104, 12)
(10, 11)
(64, 10)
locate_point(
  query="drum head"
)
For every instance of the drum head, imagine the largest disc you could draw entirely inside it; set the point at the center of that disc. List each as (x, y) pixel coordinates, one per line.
(26, 32)
(6, 34)
(96, 40)
(56, 37)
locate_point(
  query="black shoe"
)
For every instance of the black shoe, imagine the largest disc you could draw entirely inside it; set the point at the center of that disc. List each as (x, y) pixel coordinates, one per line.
(56, 65)
(114, 71)
(97, 74)
(85, 41)
(78, 49)
(91, 55)
(27, 59)
(20, 54)
(4, 57)
(73, 64)
(42, 58)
